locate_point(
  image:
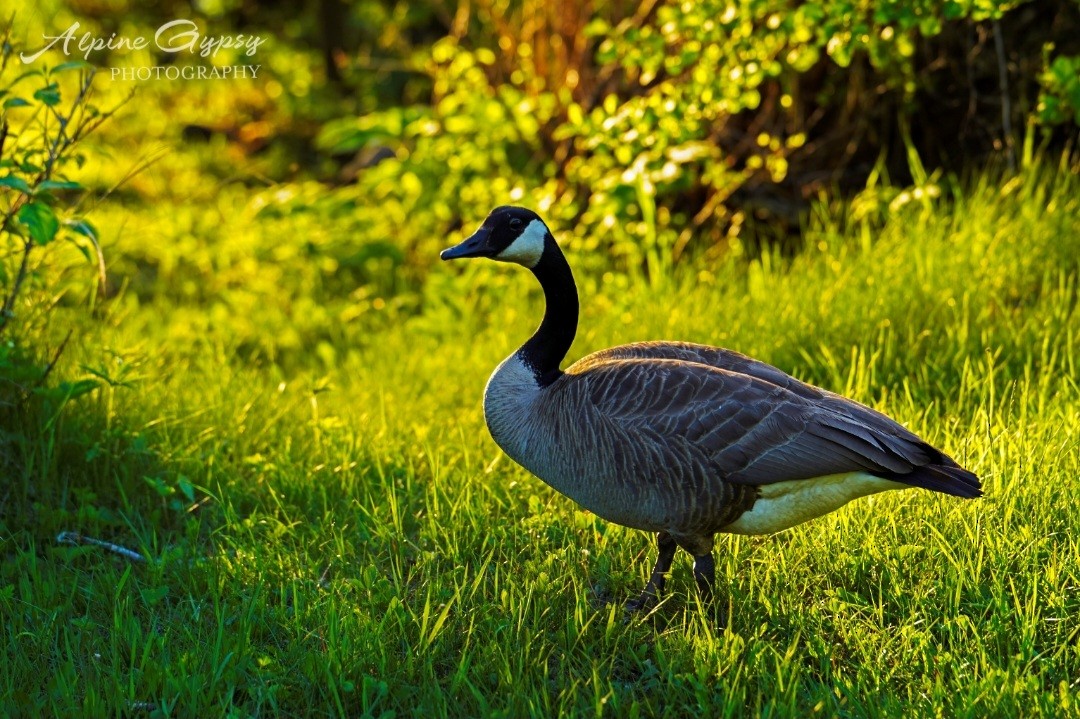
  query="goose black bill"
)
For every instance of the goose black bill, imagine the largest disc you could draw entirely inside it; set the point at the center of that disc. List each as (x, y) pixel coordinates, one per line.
(477, 245)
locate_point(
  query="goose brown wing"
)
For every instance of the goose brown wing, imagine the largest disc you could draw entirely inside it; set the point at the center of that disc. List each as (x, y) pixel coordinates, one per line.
(752, 431)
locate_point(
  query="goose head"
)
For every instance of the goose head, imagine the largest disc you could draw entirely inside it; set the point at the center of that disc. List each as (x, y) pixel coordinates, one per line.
(509, 234)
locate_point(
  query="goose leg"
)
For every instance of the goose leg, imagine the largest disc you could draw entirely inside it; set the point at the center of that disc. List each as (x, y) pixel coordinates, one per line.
(666, 545)
(705, 575)
(700, 547)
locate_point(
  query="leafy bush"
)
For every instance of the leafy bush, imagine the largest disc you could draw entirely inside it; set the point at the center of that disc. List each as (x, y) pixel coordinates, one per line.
(1059, 101)
(653, 132)
(50, 250)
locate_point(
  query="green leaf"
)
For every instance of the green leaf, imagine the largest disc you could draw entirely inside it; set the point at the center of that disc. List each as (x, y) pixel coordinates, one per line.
(67, 391)
(40, 220)
(71, 390)
(15, 102)
(186, 487)
(82, 227)
(29, 73)
(15, 183)
(72, 65)
(50, 94)
(81, 247)
(159, 486)
(59, 185)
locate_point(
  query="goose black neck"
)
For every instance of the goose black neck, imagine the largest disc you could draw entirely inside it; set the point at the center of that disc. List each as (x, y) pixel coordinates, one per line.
(549, 344)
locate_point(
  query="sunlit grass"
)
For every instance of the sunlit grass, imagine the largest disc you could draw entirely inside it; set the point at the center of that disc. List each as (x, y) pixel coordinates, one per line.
(355, 544)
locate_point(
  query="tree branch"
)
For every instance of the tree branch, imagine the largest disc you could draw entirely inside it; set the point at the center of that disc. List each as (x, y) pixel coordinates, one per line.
(1006, 105)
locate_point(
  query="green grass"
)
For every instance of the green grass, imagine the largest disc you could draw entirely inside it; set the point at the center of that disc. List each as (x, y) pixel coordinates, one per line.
(339, 536)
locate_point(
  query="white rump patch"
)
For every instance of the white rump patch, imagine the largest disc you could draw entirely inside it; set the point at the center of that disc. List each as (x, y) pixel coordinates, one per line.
(785, 504)
(528, 246)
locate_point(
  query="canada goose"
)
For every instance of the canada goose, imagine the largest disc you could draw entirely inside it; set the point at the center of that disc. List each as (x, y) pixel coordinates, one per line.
(681, 439)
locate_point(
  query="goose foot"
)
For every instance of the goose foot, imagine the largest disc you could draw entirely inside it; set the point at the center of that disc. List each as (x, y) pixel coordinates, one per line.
(649, 596)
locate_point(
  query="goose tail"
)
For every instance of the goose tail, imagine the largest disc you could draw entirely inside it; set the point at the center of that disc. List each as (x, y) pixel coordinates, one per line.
(948, 478)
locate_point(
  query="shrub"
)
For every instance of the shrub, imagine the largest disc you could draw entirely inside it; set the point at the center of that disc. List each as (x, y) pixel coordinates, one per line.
(49, 249)
(680, 123)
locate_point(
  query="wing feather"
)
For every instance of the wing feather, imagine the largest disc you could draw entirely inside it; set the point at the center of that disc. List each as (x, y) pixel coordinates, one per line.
(749, 422)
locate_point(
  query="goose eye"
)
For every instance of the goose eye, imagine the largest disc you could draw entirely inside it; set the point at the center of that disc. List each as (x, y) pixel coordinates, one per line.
(515, 224)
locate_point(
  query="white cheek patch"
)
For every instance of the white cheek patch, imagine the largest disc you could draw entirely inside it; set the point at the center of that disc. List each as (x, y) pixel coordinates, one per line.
(528, 247)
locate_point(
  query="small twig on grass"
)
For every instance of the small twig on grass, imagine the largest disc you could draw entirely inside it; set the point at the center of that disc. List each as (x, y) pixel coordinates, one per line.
(77, 539)
(142, 706)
